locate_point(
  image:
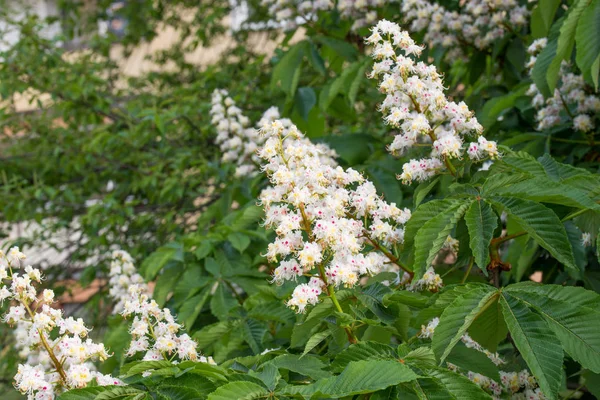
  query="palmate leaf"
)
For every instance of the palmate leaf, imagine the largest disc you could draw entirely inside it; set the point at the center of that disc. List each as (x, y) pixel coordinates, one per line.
(241, 390)
(576, 326)
(538, 345)
(542, 224)
(481, 223)
(432, 235)
(587, 38)
(458, 316)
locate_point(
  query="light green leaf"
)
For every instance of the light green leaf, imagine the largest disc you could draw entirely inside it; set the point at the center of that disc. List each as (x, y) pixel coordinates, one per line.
(88, 393)
(239, 390)
(432, 235)
(315, 340)
(587, 38)
(542, 224)
(481, 223)
(239, 241)
(458, 316)
(538, 345)
(566, 41)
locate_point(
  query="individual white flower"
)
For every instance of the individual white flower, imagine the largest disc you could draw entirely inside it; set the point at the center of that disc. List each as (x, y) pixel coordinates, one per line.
(586, 239)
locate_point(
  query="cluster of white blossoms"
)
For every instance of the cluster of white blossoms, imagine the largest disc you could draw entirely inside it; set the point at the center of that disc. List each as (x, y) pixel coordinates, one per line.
(586, 239)
(569, 103)
(123, 275)
(67, 352)
(292, 13)
(416, 104)
(430, 281)
(323, 215)
(521, 385)
(155, 332)
(478, 23)
(238, 141)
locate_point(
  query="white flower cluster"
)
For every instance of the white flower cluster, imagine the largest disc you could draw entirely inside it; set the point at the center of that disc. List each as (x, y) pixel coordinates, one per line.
(430, 281)
(238, 141)
(519, 386)
(586, 239)
(123, 274)
(292, 13)
(570, 101)
(415, 103)
(67, 352)
(323, 216)
(155, 332)
(478, 23)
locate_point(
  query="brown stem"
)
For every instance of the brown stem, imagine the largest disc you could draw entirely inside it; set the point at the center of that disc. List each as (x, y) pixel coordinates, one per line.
(387, 253)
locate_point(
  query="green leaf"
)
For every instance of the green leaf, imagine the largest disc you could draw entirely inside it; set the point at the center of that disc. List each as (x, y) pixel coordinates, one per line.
(253, 333)
(157, 260)
(269, 375)
(341, 47)
(239, 241)
(458, 316)
(404, 297)
(222, 302)
(544, 190)
(481, 222)
(272, 311)
(316, 60)
(575, 326)
(120, 392)
(365, 377)
(88, 393)
(166, 283)
(423, 190)
(240, 390)
(544, 60)
(473, 360)
(363, 351)
(307, 365)
(286, 73)
(173, 392)
(542, 224)
(542, 17)
(315, 340)
(587, 38)
(489, 328)
(191, 308)
(424, 213)
(359, 77)
(538, 345)
(432, 235)
(566, 41)
(452, 386)
(305, 100)
(494, 107)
